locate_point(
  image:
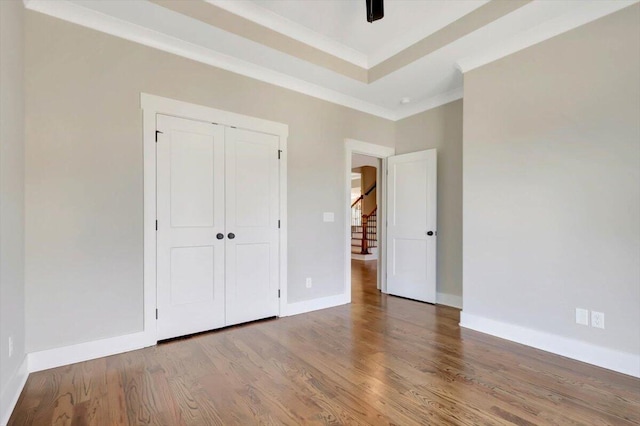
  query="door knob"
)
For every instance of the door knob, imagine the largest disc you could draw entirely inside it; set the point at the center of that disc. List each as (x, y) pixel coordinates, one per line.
(231, 235)
(429, 233)
(220, 236)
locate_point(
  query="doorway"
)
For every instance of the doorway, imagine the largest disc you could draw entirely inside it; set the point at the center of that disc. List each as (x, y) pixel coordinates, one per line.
(365, 242)
(215, 218)
(365, 215)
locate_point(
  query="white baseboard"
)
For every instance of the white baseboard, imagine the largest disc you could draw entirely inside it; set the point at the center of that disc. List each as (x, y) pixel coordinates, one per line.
(366, 257)
(622, 362)
(80, 352)
(316, 304)
(11, 393)
(448, 299)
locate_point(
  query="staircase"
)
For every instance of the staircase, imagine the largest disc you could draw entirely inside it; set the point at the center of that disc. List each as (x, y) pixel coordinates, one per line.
(364, 230)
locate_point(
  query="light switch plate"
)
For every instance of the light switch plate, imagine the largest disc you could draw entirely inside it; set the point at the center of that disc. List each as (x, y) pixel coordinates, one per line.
(328, 217)
(582, 316)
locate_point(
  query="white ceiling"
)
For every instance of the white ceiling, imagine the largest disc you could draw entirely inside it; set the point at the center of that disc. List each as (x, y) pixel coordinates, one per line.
(344, 21)
(430, 81)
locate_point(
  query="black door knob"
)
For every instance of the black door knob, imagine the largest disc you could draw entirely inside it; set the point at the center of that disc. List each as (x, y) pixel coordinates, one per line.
(220, 236)
(231, 235)
(430, 233)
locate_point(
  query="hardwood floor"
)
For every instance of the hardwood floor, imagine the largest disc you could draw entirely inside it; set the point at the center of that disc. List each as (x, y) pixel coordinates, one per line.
(380, 360)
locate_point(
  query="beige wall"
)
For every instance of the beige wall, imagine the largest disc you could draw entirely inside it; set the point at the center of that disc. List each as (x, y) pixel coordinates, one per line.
(84, 175)
(355, 183)
(12, 323)
(368, 179)
(441, 128)
(552, 184)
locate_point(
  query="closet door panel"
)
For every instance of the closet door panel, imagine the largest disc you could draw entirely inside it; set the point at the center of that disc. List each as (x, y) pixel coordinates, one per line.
(190, 212)
(252, 243)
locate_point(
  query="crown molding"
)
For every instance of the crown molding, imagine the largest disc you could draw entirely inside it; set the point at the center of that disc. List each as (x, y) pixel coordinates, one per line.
(89, 18)
(430, 103)
(587, 12)
(282, 25)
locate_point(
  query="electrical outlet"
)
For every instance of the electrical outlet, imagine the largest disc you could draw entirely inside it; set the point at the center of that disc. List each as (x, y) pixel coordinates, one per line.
(308, 283)
(597, 319)
(10, 346)
(582, 316)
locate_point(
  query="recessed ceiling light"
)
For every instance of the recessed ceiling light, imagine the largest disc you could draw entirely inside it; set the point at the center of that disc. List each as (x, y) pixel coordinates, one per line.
(405, 100)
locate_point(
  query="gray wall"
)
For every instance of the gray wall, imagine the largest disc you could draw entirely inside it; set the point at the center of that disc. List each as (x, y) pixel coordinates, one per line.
(552, 184)
(84, 175)
(441, 128)
(11, 195)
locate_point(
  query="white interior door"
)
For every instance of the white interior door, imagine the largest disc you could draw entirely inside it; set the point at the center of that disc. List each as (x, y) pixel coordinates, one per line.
(411, 226)
(252, 241)
(190, 212)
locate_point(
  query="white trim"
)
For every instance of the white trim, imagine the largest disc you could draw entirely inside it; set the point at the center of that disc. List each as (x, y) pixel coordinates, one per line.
(269, 19)
(153, 105)
(365, 257)
(366, 148)
(448, 299)
(89, 18)
(405, 40)
(587, 12)
(12, 391)
(352, 146)
(149, 127)
(284, 223)
(80, 352)
(305, 306)
(430, 103)
(622, 362)
(282, 25)
(191, 111)
(380, 176)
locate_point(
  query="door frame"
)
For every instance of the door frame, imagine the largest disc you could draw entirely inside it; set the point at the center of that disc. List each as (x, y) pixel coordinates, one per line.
(353, 146)
(151, 106)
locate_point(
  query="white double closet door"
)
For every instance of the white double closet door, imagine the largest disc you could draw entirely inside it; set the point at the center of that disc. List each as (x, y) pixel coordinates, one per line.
(218, 229)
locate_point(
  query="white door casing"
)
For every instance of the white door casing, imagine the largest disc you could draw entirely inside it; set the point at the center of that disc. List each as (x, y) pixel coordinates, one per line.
(411, 228)
(190, 212)
(252, 255)
(152, 106)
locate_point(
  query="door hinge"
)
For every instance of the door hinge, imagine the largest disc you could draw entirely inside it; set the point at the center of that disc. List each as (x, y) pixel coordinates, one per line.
(158, 131)
(156, 314)
(278, 293)
(156, 225)
(279, 152)
(278, 223)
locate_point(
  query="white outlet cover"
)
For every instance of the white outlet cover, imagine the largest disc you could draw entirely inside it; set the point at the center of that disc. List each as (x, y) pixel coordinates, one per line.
(308, 282)
(597, 319)
(582, 316)
(328, 217)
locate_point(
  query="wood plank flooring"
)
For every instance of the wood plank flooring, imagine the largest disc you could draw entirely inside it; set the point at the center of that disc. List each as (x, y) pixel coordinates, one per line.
(381, 360)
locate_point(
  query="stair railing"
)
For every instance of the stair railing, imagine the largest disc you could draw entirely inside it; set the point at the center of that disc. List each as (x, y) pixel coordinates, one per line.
(371, 228)
(365, 223)
(356, 212)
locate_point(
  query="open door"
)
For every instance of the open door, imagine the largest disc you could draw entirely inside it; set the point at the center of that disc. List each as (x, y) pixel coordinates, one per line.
(411, 226)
